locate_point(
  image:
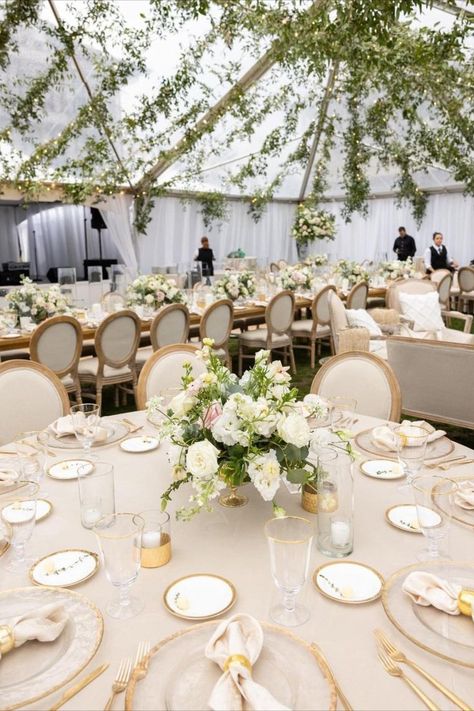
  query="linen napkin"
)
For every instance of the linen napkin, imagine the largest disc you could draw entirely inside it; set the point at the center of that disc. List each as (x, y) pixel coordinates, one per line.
(8, 477)
(240, 635)
(384, 437)
(427, 589)
(464, 496)
(44, 623)
(64, 426)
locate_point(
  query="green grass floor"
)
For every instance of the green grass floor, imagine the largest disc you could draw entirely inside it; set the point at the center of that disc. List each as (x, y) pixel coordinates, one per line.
(302, 380)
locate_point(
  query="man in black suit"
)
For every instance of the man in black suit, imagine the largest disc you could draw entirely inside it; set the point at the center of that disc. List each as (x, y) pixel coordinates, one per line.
(205, 255)
(436, 256)
(404, 245)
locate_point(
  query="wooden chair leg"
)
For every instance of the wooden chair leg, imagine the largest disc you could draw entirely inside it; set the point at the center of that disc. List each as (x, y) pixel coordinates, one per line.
(240, 363)
(292, 360)
(98, 397)
(116, 396)
(313, 353)
(78, 394)
(285, 355)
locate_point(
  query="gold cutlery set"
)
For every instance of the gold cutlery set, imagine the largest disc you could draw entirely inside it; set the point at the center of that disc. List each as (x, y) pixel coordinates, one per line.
(391, 657)
(446, 464)
(126, 674)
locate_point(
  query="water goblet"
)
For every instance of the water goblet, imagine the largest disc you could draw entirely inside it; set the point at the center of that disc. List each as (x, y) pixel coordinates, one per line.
(411, 444)
(31, 450)
(289, 540)
(342, 412)
(434, 499)
(119, 536)
(85, 420)
(17, 519)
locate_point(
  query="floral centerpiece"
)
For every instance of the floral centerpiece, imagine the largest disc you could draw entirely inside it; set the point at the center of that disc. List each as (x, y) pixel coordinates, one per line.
(352, 271)
(153, 290)
(311, 224)
(396, 268)
(224, 431)
(235, 285)
(39, 304)
(296, 277)
(316, 260)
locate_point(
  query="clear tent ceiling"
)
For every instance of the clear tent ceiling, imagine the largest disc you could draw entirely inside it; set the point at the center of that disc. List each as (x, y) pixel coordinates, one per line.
(222, 157)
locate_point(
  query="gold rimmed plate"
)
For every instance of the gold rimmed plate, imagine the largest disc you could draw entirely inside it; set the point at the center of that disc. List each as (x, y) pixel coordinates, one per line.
(434, 450)
(405, 517)
(385, 469)
(35, 670)
(450, 637)
(64, 568)
(348, 582)
(68, 469)
(201, 596)
(114, 432)
(458, 512)
(43, 509)
(181, 678)
(140, 444)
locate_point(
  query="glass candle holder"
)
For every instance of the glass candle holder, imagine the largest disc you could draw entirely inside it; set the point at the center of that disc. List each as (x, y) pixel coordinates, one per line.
(156, 539)
(335, 506)
(96, 492)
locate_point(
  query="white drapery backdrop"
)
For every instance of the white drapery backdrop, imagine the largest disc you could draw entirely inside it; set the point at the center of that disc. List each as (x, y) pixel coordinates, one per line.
(176, 228)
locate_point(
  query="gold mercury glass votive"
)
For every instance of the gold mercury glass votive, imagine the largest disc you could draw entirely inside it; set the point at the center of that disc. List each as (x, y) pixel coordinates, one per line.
(156, 539)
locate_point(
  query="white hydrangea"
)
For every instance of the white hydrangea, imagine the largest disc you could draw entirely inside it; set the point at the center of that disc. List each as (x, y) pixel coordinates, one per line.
(294, 429)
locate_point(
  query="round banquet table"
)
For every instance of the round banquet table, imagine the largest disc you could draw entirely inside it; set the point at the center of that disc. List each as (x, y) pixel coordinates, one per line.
(231, 543)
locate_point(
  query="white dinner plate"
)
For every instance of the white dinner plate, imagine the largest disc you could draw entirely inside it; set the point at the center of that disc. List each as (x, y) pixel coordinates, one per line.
(348, 582)
(141, 443)
(405, 517)
(12, 512)
(382, 469)
(64, 568)
(199, 597)
(35, 670)
(68, 468)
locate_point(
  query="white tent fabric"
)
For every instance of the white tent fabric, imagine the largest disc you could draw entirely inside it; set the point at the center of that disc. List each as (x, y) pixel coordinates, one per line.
(118, 215)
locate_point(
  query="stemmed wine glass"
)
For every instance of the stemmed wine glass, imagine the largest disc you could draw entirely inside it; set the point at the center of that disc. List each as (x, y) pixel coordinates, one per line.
(411, 448)
(434, 499)
(31, 450)
(17, 519)
(120, 539)
(85, 420)
(289, 540)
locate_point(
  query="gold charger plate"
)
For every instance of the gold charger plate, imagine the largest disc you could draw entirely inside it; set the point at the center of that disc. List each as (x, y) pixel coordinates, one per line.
(434, 450)
(457, 513)
(181, 678)
(450, 637)
(35, 670)
(116, 432)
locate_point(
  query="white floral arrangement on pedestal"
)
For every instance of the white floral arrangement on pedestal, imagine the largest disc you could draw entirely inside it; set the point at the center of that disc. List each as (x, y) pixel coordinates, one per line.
(39, 304)
(296, 278)
(317, 260)
(235, 285)
(224, 431)
(396, 268)
(312, 224)
(153, 290)
(352, 271)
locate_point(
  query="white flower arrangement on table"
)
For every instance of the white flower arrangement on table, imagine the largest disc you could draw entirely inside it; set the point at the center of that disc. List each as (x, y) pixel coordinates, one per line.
(153, 290)
(296, 277)
(352, 271)
(396, 268)
(223, 431)
(235, 285)
(316, 260)
(39, 304)
(312, 224)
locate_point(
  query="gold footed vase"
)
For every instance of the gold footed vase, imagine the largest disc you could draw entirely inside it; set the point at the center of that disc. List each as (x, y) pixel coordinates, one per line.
(234, 499)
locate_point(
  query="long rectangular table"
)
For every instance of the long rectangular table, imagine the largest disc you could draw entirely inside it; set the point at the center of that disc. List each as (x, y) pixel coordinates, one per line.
(231, 543)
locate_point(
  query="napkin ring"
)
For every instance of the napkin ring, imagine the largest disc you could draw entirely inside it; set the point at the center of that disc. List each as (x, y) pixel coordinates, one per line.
(237, 659)
(466, 602)
(7, 639)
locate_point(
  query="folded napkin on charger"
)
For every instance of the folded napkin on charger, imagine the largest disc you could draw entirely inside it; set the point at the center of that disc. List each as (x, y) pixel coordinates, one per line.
(464, 496)
(427, 589)
(44, 623)
(7, 477)
(385, 438)
(235, 646)
(64, 426)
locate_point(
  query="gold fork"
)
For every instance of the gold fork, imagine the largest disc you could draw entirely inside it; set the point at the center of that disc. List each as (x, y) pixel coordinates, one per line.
(439, 462)
(392, 669)
(131, 425)
(398, 656)
(139, 671)
(120, 682)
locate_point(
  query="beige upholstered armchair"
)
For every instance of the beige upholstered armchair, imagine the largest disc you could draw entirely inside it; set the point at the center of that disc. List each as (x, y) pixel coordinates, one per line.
(436, 379)
(339, 322)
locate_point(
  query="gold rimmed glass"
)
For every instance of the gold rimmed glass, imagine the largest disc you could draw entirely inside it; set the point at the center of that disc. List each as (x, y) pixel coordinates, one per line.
(31, 451)
(120, 539)
(289, 541)
(17, 518)
(85, 421)
(411, 444)
(434, 499)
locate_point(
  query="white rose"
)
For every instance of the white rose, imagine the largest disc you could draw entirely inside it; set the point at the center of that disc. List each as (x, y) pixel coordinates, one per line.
(201, 459)
(264, 471)
(226, 429)
(320, 439)
(294, 429)
(182, 403)
(149, 299)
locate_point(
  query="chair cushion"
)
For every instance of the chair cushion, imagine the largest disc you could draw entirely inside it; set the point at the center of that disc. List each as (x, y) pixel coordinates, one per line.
(143, 354)
(455, 336)
(89, 366)
(359, 318)
(258, 339)
(67, 381)
(303, 327)
(423, 309)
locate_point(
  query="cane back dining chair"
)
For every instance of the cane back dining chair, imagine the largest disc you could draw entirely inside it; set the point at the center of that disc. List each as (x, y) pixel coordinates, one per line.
(170, 325)
(57, 344)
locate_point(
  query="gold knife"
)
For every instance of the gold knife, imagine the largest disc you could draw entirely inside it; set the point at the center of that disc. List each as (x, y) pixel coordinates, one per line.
(345, 703)
(79, 686)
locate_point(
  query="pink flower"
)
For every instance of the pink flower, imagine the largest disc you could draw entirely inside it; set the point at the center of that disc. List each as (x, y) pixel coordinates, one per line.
(214, 411)
(195, 386)
(160, 296)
